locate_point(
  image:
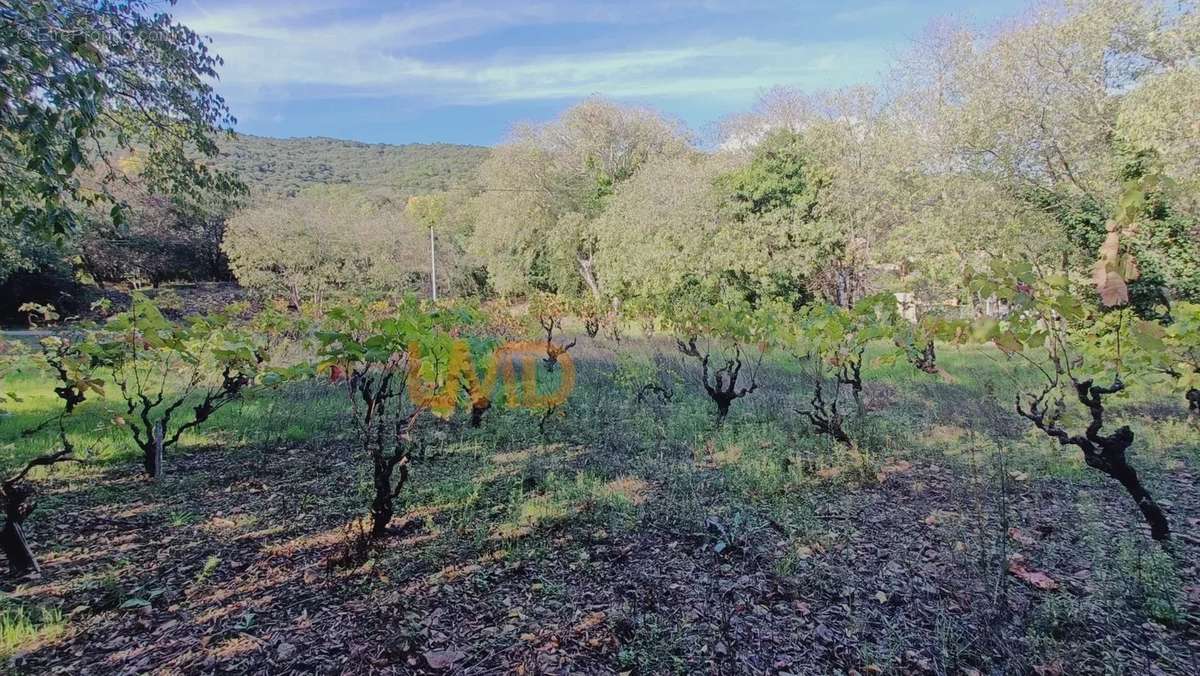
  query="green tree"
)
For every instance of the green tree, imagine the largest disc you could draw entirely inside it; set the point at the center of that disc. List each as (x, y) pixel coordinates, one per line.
(84, 82)
(702, 223)
(656, 235)
(543, 190)
(324, 242)
(771, 205)
(1020, 137)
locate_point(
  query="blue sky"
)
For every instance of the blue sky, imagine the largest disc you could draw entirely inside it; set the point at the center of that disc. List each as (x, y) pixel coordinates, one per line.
(465, 71)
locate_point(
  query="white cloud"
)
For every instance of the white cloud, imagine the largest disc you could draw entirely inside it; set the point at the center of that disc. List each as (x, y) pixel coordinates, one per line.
(313, 48)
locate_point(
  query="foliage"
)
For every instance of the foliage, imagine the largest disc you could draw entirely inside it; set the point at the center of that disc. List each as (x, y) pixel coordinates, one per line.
(450, 217)
(778, 240)
(75, 374)
(1075, 349)
(158, 365)
(1031, 129)
(723, 338)
(274, 168)
(833, 340)
(657, 232)
(1117, 265)
(160, 239)
(1179, 353)
(398, 362)
(779, 178)
(549, 311)
(720, 222)
(84, 80)
(543, 189)
(323, 243)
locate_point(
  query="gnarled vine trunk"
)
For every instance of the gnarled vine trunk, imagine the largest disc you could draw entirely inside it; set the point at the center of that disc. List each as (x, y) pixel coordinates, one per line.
(382, 507)
(825, 417)
(152, 455)
(16, 499)
(1105, 452)
(16, 549)
(720, 384)
(384, 435)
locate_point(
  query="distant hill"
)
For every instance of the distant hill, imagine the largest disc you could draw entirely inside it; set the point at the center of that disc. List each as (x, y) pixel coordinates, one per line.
(273, 166)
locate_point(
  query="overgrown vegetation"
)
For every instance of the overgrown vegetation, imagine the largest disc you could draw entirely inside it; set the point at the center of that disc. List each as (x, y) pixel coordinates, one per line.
(599, 400)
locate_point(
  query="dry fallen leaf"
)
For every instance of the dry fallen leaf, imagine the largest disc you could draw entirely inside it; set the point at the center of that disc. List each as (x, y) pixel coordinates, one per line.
(828, 473)
(443, 659)
(1016, 534)
(1035, 579)
(591, 621)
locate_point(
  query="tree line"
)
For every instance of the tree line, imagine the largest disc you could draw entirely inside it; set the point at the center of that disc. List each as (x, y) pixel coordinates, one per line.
(1015, 143)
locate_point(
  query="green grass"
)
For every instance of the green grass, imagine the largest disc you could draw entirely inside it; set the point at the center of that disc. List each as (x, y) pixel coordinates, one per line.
(22, 626)
(609, 465)
(265, 418)
(767, 450)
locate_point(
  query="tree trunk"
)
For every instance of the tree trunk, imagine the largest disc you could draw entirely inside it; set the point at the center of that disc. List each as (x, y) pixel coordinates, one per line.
(839, 435)
(589, 277)
(614, 318)
(381, 505)
(295, 294)
(1124, 473)
(16, 549)
(154, 454)
(722, 407)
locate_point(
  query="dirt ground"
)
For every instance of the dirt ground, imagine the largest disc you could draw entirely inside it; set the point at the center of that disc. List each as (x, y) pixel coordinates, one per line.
(905, 576)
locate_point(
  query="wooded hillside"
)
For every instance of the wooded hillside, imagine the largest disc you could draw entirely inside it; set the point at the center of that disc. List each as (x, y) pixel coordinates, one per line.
(284, 166)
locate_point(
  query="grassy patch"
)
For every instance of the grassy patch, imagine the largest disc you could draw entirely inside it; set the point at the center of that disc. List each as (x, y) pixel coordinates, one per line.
(23, 627)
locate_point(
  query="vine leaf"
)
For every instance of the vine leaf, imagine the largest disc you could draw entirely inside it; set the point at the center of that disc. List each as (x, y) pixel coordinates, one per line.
(1110, 285)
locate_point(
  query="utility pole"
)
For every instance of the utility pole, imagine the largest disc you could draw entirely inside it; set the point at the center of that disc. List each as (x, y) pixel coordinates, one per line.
(432, 264)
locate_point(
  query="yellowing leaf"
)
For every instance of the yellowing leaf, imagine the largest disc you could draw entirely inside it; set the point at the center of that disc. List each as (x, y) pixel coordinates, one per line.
(1008, 342)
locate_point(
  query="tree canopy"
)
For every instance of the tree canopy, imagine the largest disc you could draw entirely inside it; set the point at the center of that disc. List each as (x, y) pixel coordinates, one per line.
(84, 81)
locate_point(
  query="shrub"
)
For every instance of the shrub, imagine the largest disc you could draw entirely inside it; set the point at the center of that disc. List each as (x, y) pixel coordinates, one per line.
(1075, 349)
(832, 341)
(383, 355)
(549, 311)
(159, 366)
(726, 339)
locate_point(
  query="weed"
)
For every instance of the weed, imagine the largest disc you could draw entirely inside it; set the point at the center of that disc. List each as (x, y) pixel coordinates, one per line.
(1154, 580)
(206, 571)
(180, 518)
(20, 626)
